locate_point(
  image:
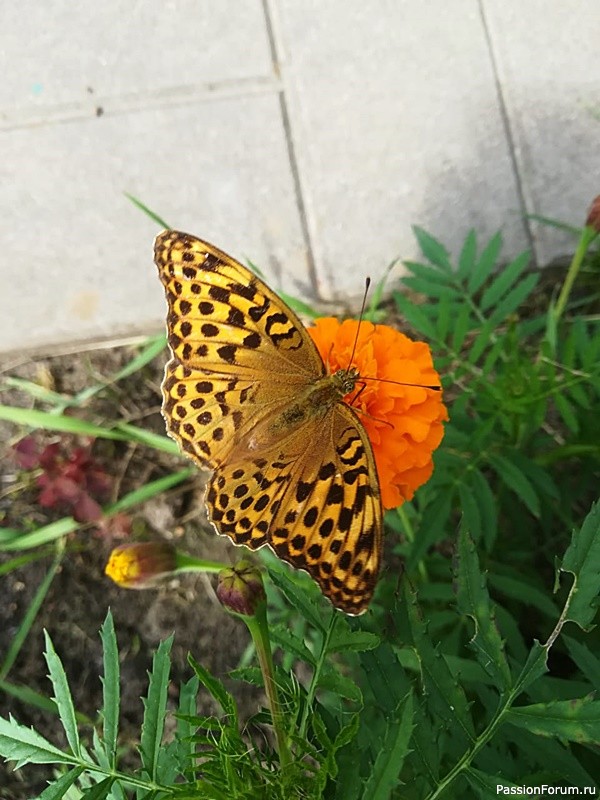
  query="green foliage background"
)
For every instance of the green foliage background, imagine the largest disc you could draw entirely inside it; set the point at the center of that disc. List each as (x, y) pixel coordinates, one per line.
(479, 666)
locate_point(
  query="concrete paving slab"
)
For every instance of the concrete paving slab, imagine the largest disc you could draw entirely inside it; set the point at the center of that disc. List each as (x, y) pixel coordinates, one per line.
(58, 56)
(547, 57)
(76, 261)
(395, 121)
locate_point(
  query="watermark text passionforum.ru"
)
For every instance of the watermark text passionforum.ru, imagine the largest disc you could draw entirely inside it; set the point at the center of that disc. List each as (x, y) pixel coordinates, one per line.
(546, 789)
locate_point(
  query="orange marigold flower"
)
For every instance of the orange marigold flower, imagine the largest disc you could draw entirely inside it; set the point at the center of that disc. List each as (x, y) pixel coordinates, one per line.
(141, 565)
(404, 423)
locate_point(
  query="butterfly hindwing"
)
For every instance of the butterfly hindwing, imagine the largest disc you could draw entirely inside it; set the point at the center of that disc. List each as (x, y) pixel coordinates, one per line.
(321, 515)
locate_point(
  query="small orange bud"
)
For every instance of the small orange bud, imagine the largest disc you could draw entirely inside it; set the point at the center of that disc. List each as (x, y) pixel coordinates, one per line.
(593, 217)
(141, 565)
(240, 588)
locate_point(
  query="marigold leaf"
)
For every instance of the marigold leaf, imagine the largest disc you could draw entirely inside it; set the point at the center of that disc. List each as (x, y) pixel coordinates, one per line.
(290, 643)
(155, 704)
(587, 662)
(111, 689)
(570, 720)
(432, 249)
(443, 318)
(415, 315)
(504, 280)
(468, 254)
(486, 263)
(296, 594)
(567, 413)
(332, 680)
(486, 785)
(514, 298)
(514, 478)
(520, 590)
(582, 559)
(463, 323)
(394, 749)
(486, 502)
(430, 289)
(62, 696)
(429, 275)
(473, 601)
(432, 527)
(384, 676)
(446, 700)
(26, 746)
(217, 690)
(470, 511)
(344, 639)
(58, 788)
(100, 791)
(482, 341)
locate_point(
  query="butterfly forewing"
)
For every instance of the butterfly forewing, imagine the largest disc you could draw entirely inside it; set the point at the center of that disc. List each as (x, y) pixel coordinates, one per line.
(247, 395)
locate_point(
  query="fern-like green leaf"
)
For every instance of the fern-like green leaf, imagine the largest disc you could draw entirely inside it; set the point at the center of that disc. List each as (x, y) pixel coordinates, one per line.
(446, 699)
(26, 746)
(468, 254)
(217, 690)
(59, 788)
(395, 747)
(111, 689)
(582, 560)
(566, 720)
(473, 601)
(503, 281)
(155, 705)
(432, 249)
(587, 662)
(62, 696)
(514, 478)
(514, 298)
(485, 264)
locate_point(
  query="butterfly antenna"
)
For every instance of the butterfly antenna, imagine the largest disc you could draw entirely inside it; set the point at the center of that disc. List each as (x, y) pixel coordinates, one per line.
(360, 319)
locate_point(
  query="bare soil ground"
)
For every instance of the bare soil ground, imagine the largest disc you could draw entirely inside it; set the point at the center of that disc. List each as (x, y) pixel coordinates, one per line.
(81, 594)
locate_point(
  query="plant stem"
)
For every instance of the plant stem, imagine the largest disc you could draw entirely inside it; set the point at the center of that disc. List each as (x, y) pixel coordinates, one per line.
(312, 689)
(257, 625)
(587, 236)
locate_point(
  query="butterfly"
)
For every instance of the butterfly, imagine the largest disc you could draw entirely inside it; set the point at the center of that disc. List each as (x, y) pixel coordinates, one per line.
(247, 395)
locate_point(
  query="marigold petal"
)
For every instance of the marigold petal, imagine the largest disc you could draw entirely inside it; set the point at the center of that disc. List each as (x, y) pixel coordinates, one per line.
(403, 418)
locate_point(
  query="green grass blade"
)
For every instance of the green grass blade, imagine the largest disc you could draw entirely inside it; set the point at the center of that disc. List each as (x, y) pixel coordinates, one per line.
(150, 490)
(155, 440)
(44, 420)
(30, 615)
(149, 213)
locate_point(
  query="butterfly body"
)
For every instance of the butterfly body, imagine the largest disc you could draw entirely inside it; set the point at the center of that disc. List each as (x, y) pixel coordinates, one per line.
(247, 395)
